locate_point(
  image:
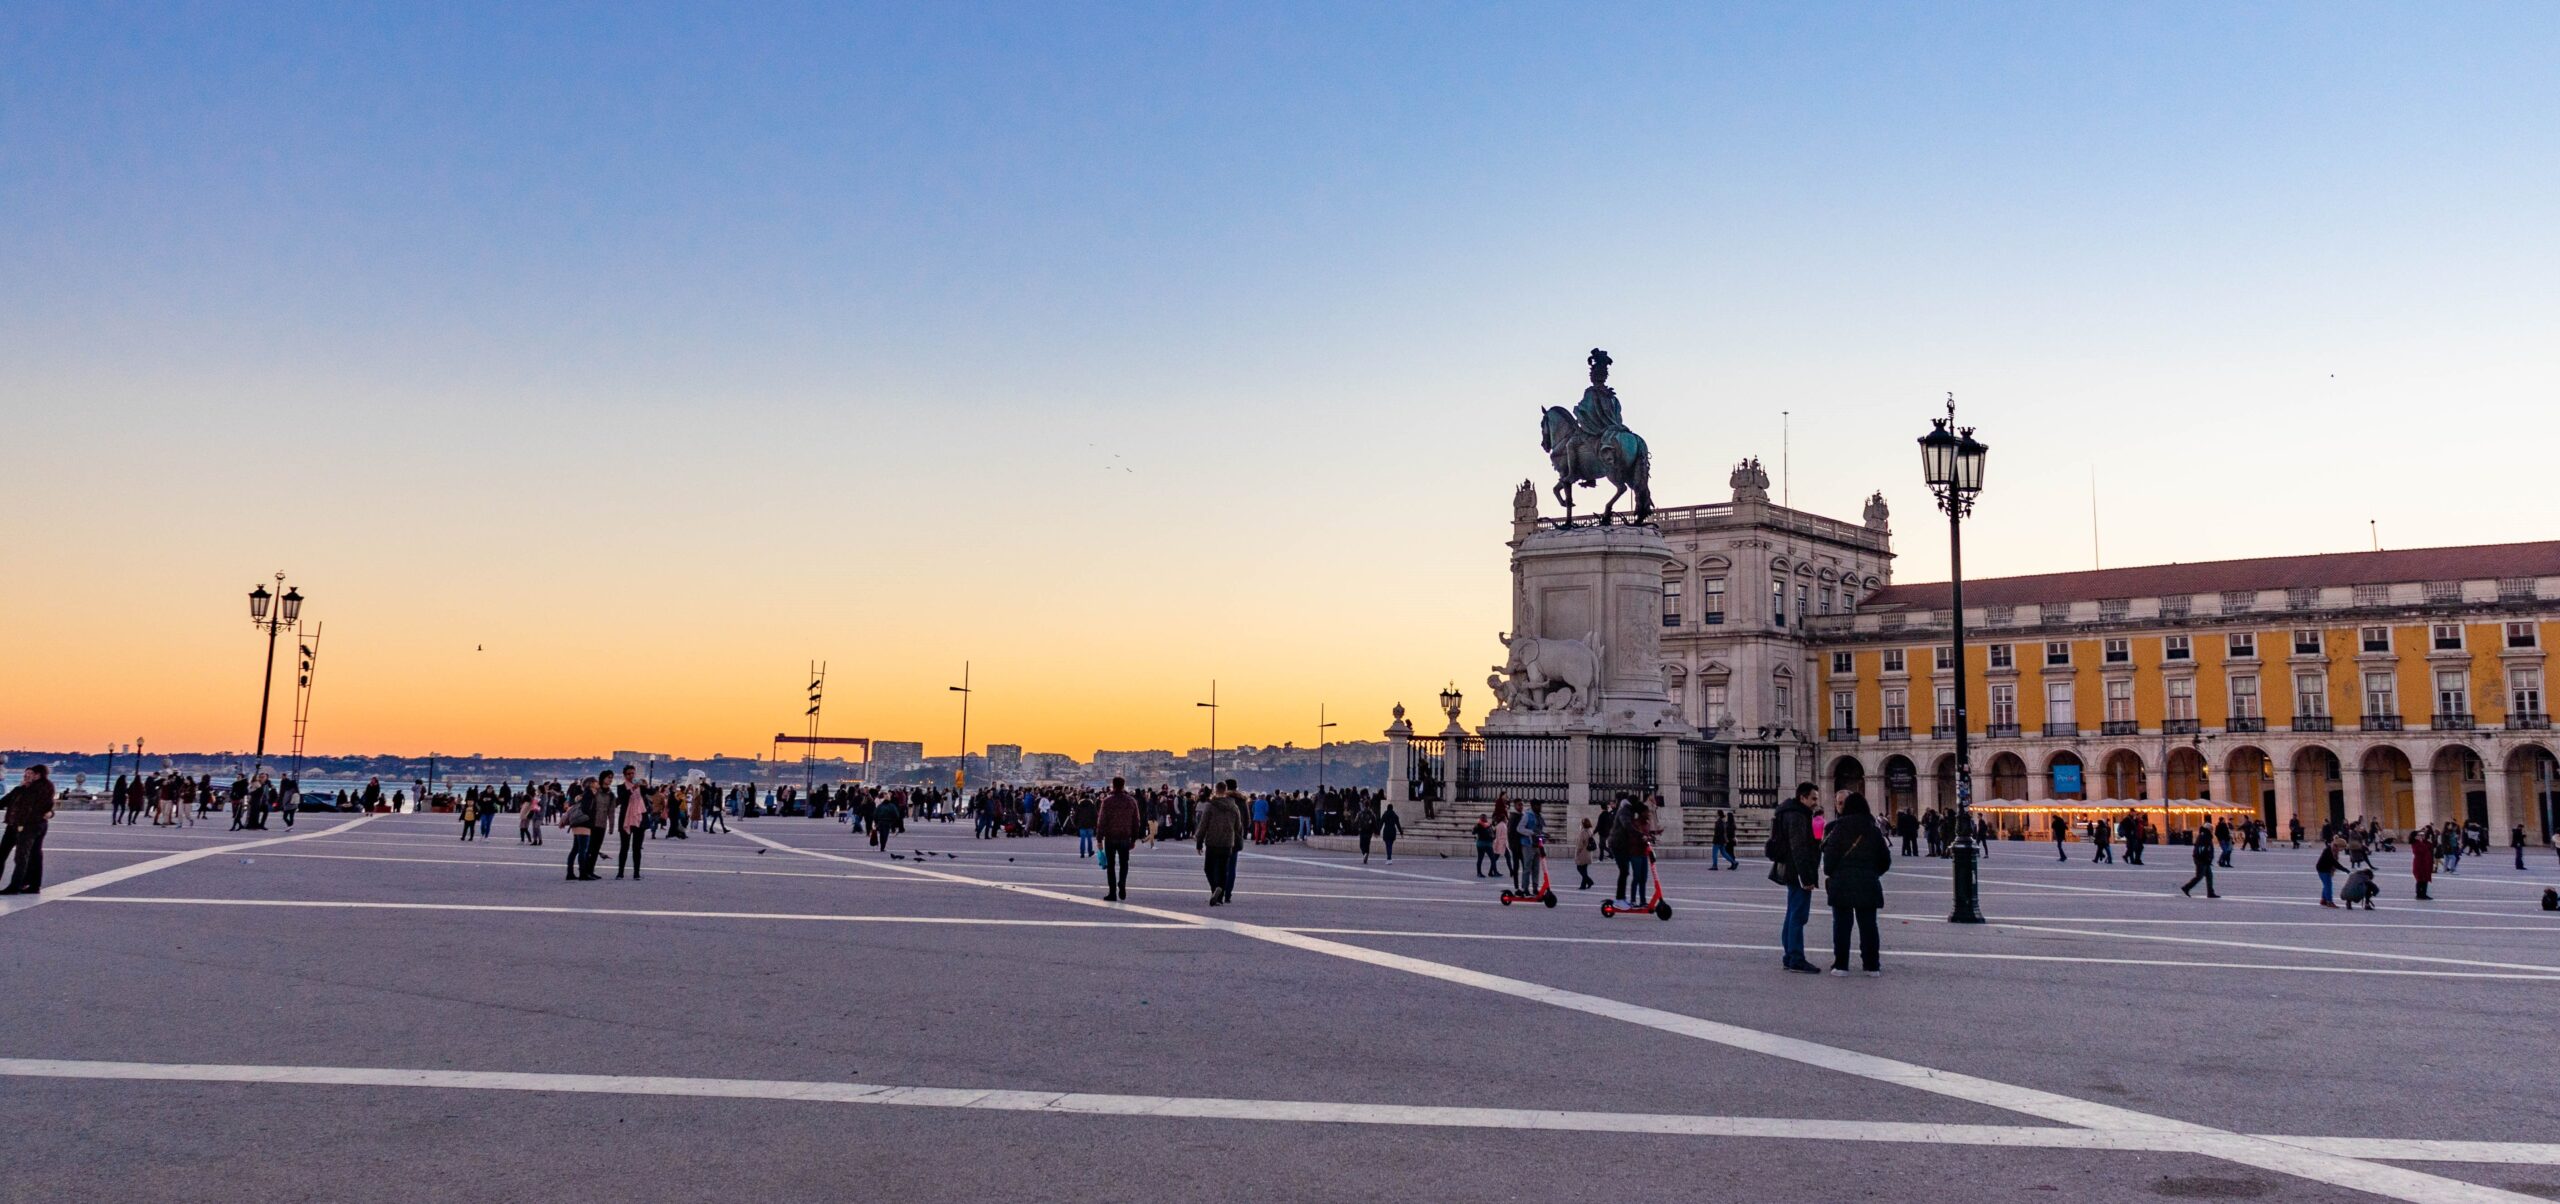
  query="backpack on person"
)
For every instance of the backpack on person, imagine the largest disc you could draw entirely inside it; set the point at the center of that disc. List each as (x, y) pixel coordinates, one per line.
(2550, 899)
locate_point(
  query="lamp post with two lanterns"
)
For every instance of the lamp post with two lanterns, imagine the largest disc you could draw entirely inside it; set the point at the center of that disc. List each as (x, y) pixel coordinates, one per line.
(275, 614)
(1951, 460)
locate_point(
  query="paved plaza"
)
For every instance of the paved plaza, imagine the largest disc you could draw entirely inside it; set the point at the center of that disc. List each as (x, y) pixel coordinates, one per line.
(368, 1009)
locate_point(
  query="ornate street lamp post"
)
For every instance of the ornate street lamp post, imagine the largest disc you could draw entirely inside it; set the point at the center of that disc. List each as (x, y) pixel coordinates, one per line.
(1951, 460)
(287, 611)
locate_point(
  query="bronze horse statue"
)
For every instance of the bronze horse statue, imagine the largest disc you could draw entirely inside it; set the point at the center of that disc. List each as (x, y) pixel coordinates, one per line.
(1583, 458)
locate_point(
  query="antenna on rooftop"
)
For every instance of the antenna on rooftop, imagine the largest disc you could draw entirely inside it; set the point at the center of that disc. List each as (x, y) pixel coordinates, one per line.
(2375, 527)
(2094, 561)
(1786, 462)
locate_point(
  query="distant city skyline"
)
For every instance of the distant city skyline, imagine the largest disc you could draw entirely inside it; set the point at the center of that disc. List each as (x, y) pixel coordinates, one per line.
(593, 372)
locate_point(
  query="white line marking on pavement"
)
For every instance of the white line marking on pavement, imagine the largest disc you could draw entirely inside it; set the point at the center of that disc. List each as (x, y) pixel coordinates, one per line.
(12, 904)
(2199, 940)
(1297, 1111)
(362, 905)
(2396, 1182)
(1365, 869)
(1763, 948)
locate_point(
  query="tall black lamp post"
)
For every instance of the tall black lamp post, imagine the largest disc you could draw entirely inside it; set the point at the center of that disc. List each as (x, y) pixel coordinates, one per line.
(1212, 707)
(1321, 726)
(275, 614)
(1951, 460)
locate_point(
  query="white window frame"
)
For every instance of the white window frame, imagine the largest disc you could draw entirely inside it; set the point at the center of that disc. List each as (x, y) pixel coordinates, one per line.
(2058, 701)
(2453, 692)
(2177, 648)
(2245, 702)
(1893, 660)
(2311, 693)
(2181, 698)
(2381, 692)
(1778, 601)
(2366, 638)
(1897, 707)
(1946, 710)
(2057, 652)
(1671, 602)
(1842, 663)
(2524, 635)
(2240, 644)
(2004, 704)
(2116, 651)
(2004, 656)
(2524, 690)
(2439, 633)
(2311, 636)
(1844, 709)
(1943, 657)
(2120, 700)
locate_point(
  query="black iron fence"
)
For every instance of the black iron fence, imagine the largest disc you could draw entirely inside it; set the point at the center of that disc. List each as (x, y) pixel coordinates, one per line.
(1622, 763)
(1756, 778)
(1426, 766)
(1526, 768)
(1706, 774)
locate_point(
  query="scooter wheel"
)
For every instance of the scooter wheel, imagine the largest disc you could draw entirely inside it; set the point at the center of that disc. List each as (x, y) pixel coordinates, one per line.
(1506, 900)
(1607, 909)
(1550, 900)
(1662, 911)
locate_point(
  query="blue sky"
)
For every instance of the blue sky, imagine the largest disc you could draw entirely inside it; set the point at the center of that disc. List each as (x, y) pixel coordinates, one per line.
(861, 303)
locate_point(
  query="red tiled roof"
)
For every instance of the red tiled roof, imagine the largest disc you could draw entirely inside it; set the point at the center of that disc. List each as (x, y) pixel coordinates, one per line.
(2479, 562)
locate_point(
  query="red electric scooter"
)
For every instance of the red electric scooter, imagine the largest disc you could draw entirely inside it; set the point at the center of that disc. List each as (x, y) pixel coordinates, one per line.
(1655, 906)
(1546, 893)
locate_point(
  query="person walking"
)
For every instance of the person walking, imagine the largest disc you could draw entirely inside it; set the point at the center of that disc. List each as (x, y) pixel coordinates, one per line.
(470, 816)
(2515, 839)
(2222, 837)
(2203, 838)
(2422, 861)
(1364, 825)
(1083, 817)
(291, 801)
(1907, 827)
(1390, 826)
(2061, 833)
(1722, 847)
(2102, 834)
(1220, 839)
(1854, 861)
(529, 823)
(1118, 822)
(1796, 864)
(26, 813)
(1582, 849)
(1484, 846)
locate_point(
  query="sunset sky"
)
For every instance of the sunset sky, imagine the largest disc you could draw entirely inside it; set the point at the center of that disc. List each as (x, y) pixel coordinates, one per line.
(594, 368)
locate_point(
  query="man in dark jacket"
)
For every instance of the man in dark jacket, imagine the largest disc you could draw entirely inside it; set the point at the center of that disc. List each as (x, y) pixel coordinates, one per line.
(1797, 865)
(1220, 838)
(1120, 824)
(25, 813)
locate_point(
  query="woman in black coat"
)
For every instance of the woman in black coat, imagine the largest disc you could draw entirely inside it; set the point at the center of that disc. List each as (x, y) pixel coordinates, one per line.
(1854, 859)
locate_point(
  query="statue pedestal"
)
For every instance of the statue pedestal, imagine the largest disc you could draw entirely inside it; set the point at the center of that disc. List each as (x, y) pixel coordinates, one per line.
(1586, 639)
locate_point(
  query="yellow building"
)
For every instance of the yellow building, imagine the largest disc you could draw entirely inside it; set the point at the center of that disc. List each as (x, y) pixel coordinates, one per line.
(2405, 686)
